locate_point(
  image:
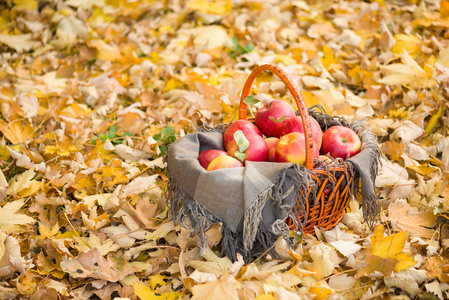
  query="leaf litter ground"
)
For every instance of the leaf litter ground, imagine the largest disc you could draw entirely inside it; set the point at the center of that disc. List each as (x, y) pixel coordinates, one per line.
(92, 92)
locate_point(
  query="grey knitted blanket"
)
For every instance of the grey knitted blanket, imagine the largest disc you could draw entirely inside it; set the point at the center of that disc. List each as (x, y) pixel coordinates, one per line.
(253, 202)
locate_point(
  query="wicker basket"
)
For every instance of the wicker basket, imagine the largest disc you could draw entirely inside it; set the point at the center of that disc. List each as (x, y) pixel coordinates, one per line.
(321, 210)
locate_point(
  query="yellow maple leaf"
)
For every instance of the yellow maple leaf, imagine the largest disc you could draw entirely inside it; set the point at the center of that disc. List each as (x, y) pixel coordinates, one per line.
(47, 232)
(389, 246)
(145, 293)
(409, 43)
(386, 254)
(63, 147)
(220, 7)
(21, 5)
(83, 185)
(157, 279)
(172, 84)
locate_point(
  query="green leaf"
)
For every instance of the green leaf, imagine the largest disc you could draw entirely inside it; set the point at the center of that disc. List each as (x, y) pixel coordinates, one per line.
(168, 130)
(250, 47)
(240, 155)
(250, 100)
(278, 120)
(236, 44)
(241, 140)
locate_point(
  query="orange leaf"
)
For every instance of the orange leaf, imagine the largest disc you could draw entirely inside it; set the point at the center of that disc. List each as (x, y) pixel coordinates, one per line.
(17, 131)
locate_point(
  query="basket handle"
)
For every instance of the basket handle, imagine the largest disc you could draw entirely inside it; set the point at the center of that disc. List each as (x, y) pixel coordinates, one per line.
(298, 99)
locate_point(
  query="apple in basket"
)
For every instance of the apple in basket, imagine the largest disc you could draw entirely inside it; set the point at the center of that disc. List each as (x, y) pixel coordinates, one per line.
(272, 142)
(273, 116)
(206, 156)
(327, 189)
(248, 146)
(223, 162)
(295, 125)
(292, 148)
(340, 141)
(243, 125)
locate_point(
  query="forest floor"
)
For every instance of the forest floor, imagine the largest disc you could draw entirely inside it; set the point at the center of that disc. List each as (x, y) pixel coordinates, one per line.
(92, 92)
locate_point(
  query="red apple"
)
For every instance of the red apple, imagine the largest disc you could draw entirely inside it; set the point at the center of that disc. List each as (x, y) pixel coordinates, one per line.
(273, 116)
(292, 148)
(205, 157)
(224, 161)
(272, 142)
(340, 141)
(256, 149)
(295, 125)
(243, 125)
(327, 189)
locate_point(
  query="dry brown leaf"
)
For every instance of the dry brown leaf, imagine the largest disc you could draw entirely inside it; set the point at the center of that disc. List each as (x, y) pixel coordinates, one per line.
(408, 280)
(11, 260)
(92, 264)
(416, 222)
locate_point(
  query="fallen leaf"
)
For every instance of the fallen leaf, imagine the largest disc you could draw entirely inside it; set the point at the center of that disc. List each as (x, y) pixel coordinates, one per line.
(146, 293)
(386, 254)
(411, 219)
(19, 42)
(86, 244)
(92, 264)
(17, 131)
(407, 132)
(213, 263)
(395, 177)
(11, 219)
(322, 264)
(219, 7)
(408, 280)
(11, 260)
(346, 248)
(225, 288)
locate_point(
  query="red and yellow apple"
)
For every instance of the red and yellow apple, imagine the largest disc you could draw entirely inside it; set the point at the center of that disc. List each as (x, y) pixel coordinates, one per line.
(340, 141)
(257, 149)
(244, 125)
(273, 116)
(295, 125)
(223, 162)
(206, 156)
(292, 148)
(272, 142)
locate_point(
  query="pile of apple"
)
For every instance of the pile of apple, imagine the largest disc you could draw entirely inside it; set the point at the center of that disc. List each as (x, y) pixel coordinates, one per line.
(278, 136)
